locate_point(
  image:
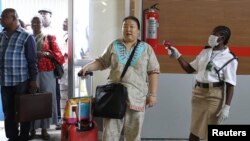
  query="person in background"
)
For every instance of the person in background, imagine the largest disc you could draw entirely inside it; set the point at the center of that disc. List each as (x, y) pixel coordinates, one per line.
(48, 28)
(46, 20)
(25, 25)
(18, 71)
(141, 80)
(47, 49)
(208, 93)
(65, 35)
(64, 80)
(22, 24)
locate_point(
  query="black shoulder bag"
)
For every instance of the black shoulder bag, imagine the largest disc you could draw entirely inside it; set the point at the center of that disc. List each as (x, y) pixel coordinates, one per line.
(58, 71)
(111, 99)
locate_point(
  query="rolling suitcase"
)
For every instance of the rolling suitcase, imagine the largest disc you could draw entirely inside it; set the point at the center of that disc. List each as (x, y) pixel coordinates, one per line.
(83, 127)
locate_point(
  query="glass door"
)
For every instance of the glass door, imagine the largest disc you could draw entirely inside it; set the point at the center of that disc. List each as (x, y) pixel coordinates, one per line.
(92, 25)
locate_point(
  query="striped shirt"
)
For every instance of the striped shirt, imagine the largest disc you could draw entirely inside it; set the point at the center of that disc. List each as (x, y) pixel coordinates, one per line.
(18, 58)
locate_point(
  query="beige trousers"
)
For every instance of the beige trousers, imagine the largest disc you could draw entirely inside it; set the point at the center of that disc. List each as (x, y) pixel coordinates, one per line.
(130, 126)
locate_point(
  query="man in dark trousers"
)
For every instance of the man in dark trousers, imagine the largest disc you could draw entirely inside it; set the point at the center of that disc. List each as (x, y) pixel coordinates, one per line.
(18, 71)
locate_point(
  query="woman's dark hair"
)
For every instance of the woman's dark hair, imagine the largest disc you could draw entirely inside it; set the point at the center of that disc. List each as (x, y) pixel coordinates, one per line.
(134, 19)
(21, 23)
(223, 31)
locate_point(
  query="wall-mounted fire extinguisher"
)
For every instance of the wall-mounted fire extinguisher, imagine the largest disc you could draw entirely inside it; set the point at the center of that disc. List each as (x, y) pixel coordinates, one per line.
(151, 25)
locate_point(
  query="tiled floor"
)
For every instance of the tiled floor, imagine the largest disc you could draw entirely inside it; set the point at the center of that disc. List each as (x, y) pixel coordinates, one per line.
(55, 135)
(2, 133)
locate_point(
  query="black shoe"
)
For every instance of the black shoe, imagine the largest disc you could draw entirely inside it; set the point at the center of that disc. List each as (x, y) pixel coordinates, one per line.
(32, 134)
(22, 138)
(13, 139)
(45, 134)
(58, 127)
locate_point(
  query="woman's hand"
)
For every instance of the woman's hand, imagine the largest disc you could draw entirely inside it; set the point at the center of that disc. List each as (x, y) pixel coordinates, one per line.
(151, 101)
(48, 54)
(41, 54)
(82, 72)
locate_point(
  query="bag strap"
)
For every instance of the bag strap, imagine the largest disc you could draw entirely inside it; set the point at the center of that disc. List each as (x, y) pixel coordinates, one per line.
(230, 60)
(50, 47)
(129, 60)
(49, 41)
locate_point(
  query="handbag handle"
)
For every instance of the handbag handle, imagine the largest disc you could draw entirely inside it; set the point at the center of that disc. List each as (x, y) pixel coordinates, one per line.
(50, 47)
(129, 60)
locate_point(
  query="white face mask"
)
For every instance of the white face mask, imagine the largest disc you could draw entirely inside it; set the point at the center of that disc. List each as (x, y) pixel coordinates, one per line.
(212, 40)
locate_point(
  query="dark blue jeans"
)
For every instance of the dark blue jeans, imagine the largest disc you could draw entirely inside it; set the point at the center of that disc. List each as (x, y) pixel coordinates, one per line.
(8, 101)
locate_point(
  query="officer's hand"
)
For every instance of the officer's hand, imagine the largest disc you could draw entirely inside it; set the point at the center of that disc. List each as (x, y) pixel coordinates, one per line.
(223, 114)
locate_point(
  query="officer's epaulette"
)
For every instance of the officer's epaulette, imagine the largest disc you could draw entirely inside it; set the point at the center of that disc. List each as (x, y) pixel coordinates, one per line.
(207, 47)
(235, 57)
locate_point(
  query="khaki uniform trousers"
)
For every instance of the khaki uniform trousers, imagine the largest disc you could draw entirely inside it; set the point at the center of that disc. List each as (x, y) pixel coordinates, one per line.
(206, 103)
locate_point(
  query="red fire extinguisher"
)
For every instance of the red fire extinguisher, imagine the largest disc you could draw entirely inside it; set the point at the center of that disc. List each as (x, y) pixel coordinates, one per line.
(151, 25)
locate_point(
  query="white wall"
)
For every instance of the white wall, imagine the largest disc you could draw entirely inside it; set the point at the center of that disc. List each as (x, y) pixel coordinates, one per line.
(171, 117)
(26, 9)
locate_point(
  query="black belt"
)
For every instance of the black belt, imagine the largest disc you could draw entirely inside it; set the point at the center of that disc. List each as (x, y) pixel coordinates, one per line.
(209, 85)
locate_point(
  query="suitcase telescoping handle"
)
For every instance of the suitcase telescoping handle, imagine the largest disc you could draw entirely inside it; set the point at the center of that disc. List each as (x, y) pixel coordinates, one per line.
(80, 77)
(79, 102)
(90, 73)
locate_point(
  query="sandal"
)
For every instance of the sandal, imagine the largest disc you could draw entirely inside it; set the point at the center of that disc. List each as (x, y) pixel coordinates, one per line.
(45, 134)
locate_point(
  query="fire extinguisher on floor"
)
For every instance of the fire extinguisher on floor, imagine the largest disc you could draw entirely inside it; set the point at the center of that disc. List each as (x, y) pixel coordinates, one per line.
(151, 25)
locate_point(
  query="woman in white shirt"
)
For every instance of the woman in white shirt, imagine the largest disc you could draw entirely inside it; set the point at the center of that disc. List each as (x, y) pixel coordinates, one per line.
(215, 69)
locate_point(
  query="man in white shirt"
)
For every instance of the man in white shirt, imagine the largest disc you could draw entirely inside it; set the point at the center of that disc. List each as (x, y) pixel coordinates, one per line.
(46, 20)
